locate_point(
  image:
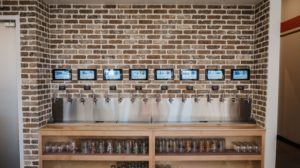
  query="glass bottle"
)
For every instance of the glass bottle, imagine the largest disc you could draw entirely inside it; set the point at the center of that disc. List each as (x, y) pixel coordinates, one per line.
(109, 149)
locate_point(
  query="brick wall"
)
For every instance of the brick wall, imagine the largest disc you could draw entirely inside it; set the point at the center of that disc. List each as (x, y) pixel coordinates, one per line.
(152, 36)
(35, 70)
(260, 67)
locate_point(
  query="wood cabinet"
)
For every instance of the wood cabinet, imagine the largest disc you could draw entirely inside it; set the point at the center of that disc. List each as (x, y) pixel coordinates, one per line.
(59, 133)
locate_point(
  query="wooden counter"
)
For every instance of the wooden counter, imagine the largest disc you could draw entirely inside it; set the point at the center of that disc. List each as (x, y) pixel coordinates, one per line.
(232, 132)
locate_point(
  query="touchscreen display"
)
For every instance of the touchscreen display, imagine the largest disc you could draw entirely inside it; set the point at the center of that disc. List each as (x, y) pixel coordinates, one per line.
(164, 74)
(138, 74)
(240, 74)
(87, 74)
(112, 74)
(189, 74)
(215, 74)
(62, 74)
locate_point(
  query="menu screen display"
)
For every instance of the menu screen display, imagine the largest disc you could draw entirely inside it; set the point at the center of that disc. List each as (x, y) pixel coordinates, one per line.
(138, 74)
(240, 74)
(189, 74)
(112, 74)
(164, 74)
(215, 74)
(62, 74)
(87, 74)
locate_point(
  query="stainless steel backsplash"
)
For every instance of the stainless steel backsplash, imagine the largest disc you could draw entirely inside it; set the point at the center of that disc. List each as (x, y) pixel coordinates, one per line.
(151, 110)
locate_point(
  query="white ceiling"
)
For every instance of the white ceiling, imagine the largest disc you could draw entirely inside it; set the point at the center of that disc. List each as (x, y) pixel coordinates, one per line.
(152, 1)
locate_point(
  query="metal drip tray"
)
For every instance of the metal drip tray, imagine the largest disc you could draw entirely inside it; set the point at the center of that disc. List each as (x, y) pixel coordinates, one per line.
(113, 111)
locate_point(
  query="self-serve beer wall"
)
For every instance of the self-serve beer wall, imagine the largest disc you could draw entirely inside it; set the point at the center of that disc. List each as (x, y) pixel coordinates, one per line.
(38, 33)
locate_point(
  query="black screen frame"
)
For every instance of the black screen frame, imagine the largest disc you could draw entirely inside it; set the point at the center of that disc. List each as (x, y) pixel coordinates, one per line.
(155, 74)
(121, 76)
(180, 74)
(146, 70)
(206, 74)
(79, 77)
(248, 72)
(55, 79)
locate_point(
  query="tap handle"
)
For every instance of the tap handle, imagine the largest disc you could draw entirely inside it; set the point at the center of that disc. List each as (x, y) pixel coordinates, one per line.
(157, 98)
(249, 98)
(69, 98)
(132, 98)
(170, 99)
(82, 100)
(196, 98)
(54, 97)
(145, 98)
(222, 97)
(208, 96)
(95, 98)
(183, 98)
(106, 97)
(234, 98)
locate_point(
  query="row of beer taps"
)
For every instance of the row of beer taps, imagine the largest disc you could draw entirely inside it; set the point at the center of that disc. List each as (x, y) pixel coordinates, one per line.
(145, 99)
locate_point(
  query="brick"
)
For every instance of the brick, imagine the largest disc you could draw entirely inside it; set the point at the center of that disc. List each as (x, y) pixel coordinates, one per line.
(175, 11)
(109, 6)
(145, 21)
(184, 6)
(199, 6)
(214, 6)
(153, 17)
(131, 11)
(168, 6)
(101, 11)
(183, 37)
(145, 11)
(153, 6)
(160, 11)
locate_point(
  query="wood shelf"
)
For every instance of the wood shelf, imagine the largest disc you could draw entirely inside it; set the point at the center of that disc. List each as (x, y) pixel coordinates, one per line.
(226, 152)
(65, 132)
(248, 157)
(94, 157)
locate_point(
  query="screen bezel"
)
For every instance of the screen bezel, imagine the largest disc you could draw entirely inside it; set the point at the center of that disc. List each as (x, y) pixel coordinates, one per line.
(80, 78)
(247, 70)
(206, 74)
(181, 77)
(130, 75)
(156, 77)
(67, 70)
(121, 75)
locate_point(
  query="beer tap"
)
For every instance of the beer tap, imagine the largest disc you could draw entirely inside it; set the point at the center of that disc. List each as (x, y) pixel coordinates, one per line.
(208, 97)
(54, 99)
(234, 98)
(196, 99)
(132, 98)
(82, 100)
(248, 98)
(120, 99)
(69, 99)
(157, 99)
(95, 100)
(183, 98)
(170, 99)
(107, 99)
(222, 97)
(145, 99)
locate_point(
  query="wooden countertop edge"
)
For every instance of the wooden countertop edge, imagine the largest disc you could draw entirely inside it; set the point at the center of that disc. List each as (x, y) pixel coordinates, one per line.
(149, 127)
